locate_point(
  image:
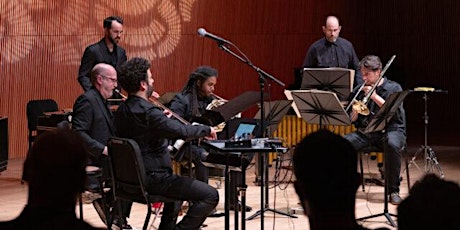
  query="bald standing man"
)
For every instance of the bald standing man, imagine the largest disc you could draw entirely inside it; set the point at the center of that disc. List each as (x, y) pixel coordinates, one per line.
(333, 51)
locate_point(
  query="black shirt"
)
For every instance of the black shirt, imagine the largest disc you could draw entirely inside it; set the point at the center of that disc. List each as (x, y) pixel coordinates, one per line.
(138, 119)
(324, 54)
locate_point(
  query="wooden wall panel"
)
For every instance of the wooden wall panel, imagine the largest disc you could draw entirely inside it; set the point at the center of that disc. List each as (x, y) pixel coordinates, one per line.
(41, 44)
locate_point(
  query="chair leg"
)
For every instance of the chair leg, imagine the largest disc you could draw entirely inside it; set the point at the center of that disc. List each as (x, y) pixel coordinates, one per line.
(80, 199)
(147, 217)
(407, 174)
(362, 170)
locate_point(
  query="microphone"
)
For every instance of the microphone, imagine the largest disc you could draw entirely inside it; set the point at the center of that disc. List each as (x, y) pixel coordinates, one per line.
(203, 33)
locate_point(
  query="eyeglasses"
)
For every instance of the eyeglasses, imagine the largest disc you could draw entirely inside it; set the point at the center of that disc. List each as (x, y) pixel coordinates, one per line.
(114, 80)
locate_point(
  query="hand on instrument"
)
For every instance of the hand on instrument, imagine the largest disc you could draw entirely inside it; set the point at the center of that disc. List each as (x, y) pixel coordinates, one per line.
(155, 95)
(353, 115)
(168, 113)
(105, 151)
(212, 135)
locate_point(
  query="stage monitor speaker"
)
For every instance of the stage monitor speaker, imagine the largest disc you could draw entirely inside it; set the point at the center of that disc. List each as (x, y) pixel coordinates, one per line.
(3, 143)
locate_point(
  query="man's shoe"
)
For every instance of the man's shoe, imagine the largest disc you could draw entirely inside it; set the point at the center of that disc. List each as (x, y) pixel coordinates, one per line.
(248, 208)
(124, 226)
(215, 213)
(395, 198)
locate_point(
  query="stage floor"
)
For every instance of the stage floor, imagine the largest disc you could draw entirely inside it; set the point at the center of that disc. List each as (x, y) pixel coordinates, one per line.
(13, 194)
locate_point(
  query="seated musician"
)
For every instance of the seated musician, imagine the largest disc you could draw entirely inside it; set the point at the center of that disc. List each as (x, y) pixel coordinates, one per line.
(371, 67)
(192, 102)
(137, 118)
(92, 120)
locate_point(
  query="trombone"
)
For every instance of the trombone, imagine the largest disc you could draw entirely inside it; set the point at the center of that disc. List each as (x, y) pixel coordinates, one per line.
(361, 106)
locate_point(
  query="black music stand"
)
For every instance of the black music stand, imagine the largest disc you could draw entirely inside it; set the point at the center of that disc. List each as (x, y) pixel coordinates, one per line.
(430, 156)
(320, 107)
(379, 122)
(274, 114)
(337, 80)
(231, 108)
(272, 117)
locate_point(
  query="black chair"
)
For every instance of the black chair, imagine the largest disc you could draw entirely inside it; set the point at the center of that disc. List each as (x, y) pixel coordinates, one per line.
(129, 179)
(367, 151)
(380, 161)
(36, 108)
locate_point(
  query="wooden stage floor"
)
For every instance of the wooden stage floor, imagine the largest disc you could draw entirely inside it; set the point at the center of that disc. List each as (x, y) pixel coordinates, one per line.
(13, 195)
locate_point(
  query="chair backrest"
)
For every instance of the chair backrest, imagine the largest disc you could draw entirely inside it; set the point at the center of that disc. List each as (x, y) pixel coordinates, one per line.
(127, 169)
(35, 108)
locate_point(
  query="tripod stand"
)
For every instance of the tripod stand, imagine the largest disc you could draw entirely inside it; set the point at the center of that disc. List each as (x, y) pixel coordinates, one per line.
(263, 162)
(431, 160)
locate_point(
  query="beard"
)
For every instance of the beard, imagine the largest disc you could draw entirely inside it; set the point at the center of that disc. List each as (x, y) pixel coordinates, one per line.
(113, 40)
(149, 91)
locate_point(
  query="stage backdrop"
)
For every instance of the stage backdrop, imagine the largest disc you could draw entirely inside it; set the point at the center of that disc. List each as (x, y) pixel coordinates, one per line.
(41, 43)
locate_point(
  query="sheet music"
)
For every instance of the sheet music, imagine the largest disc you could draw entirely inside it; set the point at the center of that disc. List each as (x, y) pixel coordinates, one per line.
(320, 107)
(334, 79)
(288, 94)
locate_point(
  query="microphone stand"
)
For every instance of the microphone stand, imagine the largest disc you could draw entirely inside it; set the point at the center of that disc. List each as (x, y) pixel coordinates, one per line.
(264, 206)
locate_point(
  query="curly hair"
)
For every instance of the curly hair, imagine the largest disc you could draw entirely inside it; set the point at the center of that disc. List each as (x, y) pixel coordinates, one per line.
(132, 72)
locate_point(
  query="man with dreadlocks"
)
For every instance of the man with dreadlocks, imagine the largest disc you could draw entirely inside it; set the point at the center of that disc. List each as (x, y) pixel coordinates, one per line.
(192, 102)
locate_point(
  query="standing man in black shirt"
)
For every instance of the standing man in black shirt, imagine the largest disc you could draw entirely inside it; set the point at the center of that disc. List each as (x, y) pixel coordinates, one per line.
(105, 51)
(138, 119)
(333, 51)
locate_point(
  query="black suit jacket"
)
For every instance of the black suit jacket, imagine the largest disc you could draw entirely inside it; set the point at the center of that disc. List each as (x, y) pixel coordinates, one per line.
(95, 54)
(93, 121)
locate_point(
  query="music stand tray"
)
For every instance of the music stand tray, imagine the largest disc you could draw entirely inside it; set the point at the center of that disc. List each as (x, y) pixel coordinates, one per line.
(386, 112)
(275, 113)
(337, 80)
(320, 107)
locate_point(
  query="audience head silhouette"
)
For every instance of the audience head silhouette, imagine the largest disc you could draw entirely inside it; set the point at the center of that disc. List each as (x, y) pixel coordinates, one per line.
(325, 166)
(57, 164)
(433, 203)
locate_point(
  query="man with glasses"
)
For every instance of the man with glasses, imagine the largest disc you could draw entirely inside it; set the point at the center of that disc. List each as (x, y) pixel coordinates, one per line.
(104, 51)
(92, 119)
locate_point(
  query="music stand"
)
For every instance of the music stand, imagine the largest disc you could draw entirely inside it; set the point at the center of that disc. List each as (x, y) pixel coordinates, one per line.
(273, 116)
(430, 156)
(231, 108)
(379, 122)
(320, 107)
(337, 80)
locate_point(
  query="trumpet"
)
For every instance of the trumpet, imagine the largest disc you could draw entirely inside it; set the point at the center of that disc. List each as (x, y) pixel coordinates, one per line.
(361, 106)
(216, 102)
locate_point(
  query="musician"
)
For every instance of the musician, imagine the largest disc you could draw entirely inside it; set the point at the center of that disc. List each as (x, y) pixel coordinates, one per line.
(395, 140)
(191, 103)
(106, 50)
(92, 119)
(138, 119)
(332, 50)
